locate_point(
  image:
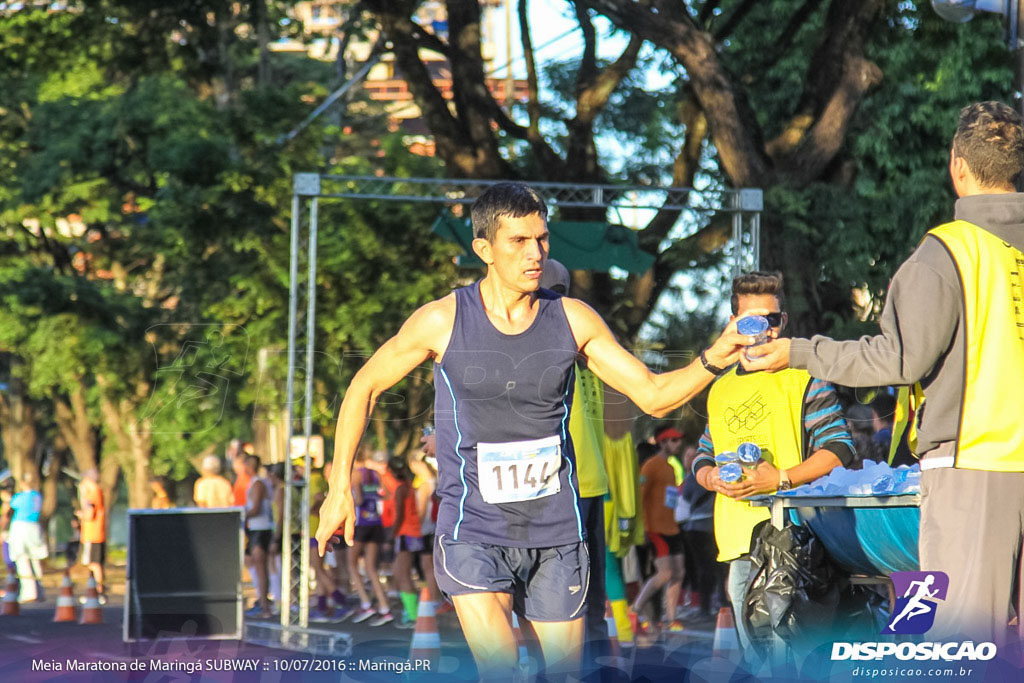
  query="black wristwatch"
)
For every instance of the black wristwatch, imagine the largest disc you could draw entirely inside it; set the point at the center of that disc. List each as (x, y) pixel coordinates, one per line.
(713, 369)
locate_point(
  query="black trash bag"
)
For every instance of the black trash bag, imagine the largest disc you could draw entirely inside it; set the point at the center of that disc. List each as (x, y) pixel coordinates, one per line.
(793, 589)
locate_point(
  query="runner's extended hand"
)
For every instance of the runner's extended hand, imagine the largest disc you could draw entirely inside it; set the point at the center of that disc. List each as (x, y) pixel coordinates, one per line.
(728, 348)
(337, 512)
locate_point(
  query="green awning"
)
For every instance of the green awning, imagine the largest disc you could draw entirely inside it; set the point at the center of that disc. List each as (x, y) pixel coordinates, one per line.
(578, 245)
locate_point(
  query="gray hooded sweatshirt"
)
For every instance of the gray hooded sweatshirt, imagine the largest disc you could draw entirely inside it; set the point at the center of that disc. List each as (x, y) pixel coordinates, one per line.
(922, 337)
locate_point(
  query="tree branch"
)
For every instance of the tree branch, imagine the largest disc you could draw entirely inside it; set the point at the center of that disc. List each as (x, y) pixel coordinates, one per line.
(734, 20)
(454, 143)
(548, 158)
(706, 12)
(784, 42)
(839, 78)
(469, 88)
(734, 129)
(594, 97)
(646, 288)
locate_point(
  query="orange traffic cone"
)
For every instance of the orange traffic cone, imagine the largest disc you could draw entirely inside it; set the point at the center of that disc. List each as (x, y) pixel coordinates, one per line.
(726, 644)
(91, 612)
(11, 590)
(426, 641)
(65, 601)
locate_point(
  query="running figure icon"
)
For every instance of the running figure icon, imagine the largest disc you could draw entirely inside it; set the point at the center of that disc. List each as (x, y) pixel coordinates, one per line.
(917, 605)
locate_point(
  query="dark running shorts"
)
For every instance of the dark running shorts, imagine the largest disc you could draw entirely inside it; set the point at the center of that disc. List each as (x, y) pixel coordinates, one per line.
(412, 544)
(546, 584)
(369, 533)
(260, 538)
(666, 545)
(94, 552)
(428, 545)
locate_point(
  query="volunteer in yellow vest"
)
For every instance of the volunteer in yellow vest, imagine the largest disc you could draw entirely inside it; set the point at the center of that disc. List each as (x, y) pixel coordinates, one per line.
(954, 321)
(586, 427)
(798, 423)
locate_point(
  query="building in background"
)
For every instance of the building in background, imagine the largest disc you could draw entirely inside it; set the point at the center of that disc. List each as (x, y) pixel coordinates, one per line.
(324, 22)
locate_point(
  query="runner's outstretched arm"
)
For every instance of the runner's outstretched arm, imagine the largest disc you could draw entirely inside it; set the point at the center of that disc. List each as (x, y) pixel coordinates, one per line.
(655, 394)
(424, 335)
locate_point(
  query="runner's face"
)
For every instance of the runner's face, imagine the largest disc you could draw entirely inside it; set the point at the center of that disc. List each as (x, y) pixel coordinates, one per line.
(519, 251)
(671, 446)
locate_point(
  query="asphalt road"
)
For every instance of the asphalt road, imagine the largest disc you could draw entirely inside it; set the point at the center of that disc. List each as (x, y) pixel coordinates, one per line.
(34, 648)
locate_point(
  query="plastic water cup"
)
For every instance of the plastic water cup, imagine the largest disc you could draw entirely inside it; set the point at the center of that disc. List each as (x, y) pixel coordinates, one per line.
(731, 472)
(726, 457)
(749, 453)
(754, 326)
(884, 484)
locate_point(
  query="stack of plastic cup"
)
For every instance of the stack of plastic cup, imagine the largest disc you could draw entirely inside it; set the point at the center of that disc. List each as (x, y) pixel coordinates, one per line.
(749, 453)
(726, 457)
(730, 472)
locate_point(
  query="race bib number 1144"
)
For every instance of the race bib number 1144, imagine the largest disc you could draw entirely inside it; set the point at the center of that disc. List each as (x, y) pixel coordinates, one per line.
(519, 470)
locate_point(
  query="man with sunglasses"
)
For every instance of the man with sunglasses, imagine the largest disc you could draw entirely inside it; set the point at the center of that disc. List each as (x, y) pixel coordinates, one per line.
(953, 326)
(797, 422)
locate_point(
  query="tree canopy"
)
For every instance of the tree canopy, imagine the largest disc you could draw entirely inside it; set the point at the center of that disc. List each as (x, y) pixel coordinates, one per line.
(145, 196)
(802, 98)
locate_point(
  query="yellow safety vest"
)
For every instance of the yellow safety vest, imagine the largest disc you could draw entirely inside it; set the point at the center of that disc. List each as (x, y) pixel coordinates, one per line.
(678, 471)
(904, 420)
(586, 426)
(762, 408)
(991, 432)
(623, 516)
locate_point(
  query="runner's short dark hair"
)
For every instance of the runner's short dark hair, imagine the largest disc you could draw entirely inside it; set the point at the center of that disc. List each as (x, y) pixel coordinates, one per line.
(757, 282)
(884, 406)
(504, 200)
(990, 138)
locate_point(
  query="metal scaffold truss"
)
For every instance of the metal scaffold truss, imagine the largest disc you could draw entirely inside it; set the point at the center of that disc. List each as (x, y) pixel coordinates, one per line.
(696, 207)
(559, 195)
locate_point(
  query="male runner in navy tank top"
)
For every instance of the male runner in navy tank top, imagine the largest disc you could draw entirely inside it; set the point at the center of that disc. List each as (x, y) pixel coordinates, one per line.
(509, 535)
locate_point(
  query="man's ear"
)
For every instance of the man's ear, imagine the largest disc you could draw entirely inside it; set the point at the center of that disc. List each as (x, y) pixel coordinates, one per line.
(959, 173)
(785, 319)
(482, 248)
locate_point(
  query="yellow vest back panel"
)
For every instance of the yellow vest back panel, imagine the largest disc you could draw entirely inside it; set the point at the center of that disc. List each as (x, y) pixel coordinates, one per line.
(991, 433)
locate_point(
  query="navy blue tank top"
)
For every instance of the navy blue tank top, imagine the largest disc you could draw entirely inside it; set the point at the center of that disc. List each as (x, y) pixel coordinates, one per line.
(503, 391)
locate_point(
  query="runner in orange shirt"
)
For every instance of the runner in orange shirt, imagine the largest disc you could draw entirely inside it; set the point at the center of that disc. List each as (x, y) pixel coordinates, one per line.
(93, 513)
(405, 530)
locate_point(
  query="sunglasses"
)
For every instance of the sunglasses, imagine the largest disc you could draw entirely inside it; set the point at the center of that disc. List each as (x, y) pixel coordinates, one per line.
(774, 319)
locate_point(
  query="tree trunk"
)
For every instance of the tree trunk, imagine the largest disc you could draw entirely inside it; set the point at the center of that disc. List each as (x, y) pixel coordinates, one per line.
(18, 427)
(49, 486)
(75, 427)
(132, 444)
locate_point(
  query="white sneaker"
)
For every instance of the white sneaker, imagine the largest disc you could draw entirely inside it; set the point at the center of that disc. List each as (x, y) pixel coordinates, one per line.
(363, 614)
(382, 619)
